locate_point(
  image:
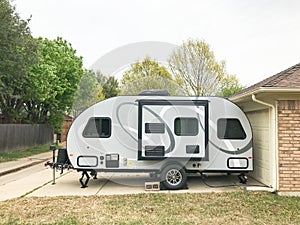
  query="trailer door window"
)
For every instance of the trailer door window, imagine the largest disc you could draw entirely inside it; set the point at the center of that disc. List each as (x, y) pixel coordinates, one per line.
(230, 129)
(99, 127)
(186, 126)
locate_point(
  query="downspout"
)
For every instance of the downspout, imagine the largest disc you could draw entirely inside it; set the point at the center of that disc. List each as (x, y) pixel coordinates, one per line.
(274, 189)
(262, 103)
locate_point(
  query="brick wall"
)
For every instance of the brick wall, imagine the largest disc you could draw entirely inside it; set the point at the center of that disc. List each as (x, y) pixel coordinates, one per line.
(65, 129)
(289, 145)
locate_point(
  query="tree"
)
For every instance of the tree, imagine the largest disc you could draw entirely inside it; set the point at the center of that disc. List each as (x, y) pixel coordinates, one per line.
(230, 85)
(146, 75)
(52, 82)
(18, 50)
(93, 87)
(110, 85)
(88, 93)
(195, 68)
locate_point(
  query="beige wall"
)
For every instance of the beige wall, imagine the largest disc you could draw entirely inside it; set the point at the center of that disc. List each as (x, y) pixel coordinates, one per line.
(263, 122)
(259, 120)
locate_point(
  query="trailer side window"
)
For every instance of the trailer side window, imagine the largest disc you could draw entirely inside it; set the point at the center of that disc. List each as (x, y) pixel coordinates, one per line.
(99, 127)
(230, 129)
(186, 126)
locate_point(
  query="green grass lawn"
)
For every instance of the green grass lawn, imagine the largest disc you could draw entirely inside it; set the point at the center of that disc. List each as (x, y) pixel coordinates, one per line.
(238, 207)
(9, 156)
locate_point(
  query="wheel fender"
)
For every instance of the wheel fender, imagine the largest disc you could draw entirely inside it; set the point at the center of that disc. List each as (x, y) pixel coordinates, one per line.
(172, 163)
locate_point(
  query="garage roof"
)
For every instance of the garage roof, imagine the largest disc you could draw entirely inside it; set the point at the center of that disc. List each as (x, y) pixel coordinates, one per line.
(286, 79)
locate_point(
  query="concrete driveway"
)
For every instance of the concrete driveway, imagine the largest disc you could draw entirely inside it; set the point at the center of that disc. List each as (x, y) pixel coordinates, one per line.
(132, 183)
(33, 179)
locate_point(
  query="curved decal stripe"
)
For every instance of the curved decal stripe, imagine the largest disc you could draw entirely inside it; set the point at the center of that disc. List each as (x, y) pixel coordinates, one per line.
(118, 118)
(170, 134)
(239, 151)
(172, 139)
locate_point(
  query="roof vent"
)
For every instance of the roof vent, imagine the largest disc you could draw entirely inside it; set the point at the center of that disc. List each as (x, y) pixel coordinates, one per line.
(154, 93)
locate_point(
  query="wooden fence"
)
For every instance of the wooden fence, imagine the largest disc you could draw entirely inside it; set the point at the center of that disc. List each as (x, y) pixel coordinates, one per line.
(14, 137)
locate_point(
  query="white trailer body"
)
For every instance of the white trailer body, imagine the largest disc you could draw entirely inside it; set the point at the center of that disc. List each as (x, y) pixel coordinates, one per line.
(148, 133)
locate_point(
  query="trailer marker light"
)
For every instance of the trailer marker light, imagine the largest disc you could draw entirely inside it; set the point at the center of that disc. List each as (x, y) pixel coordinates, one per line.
(71, 154)
(249, 157)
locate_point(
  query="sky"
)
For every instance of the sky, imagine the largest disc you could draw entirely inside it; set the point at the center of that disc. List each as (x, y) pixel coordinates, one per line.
(256, 38)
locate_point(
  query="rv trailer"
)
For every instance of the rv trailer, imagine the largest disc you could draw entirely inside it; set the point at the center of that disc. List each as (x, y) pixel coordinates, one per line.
(160, 134)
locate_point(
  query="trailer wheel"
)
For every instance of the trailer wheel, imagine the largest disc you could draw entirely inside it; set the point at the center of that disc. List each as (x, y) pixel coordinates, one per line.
(173, 177)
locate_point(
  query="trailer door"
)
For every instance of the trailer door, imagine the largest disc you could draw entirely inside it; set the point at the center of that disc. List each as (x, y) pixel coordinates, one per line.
(173, 129)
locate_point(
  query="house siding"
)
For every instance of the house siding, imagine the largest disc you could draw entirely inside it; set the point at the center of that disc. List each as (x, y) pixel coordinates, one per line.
(289, 145)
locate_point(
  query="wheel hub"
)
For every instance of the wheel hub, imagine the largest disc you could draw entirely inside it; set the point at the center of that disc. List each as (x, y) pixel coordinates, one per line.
(174, 177)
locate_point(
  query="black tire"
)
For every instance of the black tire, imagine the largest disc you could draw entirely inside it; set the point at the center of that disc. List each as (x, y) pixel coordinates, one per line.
(173, 177)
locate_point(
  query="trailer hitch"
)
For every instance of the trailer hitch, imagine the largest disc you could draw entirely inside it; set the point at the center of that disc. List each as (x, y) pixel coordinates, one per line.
(62, 162)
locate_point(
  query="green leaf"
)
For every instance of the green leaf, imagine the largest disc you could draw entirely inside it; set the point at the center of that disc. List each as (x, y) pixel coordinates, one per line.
(148, 74)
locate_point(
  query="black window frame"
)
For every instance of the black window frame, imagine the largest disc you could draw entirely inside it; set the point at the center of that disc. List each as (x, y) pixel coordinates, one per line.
(186, 134)
(106, 135)
(225, 134)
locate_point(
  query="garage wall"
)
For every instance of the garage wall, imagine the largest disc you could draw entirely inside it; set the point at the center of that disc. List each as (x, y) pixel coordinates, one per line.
(261, 147)
(289, 145)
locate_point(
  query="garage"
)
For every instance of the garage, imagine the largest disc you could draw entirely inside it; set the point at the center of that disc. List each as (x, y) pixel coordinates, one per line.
(260, 127)
(273, 109)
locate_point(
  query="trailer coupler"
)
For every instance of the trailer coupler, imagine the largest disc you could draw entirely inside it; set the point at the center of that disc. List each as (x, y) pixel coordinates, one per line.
(61, 163)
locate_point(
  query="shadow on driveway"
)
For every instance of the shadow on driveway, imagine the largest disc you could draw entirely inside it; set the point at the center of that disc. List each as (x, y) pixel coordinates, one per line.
(133, 183)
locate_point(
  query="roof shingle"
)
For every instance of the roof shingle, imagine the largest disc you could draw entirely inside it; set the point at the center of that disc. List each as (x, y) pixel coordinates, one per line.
(289, 78)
